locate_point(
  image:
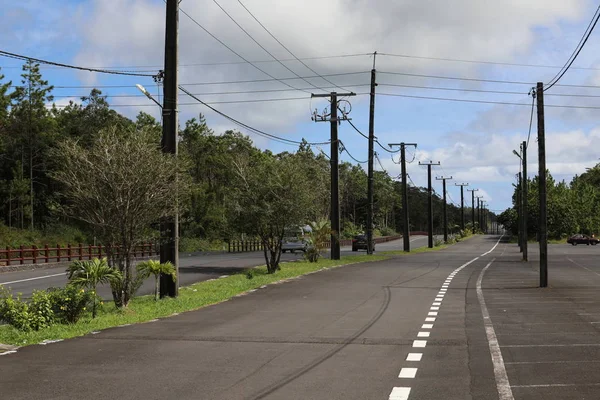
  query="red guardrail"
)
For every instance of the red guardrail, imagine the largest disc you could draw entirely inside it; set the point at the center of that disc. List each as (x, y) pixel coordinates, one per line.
(41, 255)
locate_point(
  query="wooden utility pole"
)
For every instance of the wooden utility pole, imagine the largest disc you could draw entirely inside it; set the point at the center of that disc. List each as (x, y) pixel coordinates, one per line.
(430, 203)
(335, 196)
(462, 204)
(479, 211)
(444, 179)
(525, 202)
(473, 208)
(169, 226)
(405, 223)
(539, 92)
(370, 190)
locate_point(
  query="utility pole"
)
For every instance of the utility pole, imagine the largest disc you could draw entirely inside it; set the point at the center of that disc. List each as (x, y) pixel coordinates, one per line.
(462, 204)
(430, 203)
(169, 226)
(444, 179)
(370, 211)
(525, 202)
(539, 92)
(473, 208)
(482, 217)
(520, 210)
(335, 198)
(479, 211)
(405, 224)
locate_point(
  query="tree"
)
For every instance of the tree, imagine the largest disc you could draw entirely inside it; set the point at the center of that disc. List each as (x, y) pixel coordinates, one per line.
(90, 274)
(152, 267)
(32, 128)
(273, 193)
(121, 186)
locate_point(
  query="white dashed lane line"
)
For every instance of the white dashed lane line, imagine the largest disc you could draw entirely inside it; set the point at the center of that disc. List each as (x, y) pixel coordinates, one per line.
(402, 393)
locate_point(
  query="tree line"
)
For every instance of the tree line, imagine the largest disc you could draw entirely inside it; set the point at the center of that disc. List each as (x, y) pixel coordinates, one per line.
(232, 189)
(572, 207)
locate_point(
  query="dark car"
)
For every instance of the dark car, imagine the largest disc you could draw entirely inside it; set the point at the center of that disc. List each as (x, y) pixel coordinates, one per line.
(360, 242)
(582, 239)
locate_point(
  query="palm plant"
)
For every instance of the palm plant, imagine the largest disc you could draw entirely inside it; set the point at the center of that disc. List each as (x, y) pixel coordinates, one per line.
(90, 274)
(320, 235)
(153, 267)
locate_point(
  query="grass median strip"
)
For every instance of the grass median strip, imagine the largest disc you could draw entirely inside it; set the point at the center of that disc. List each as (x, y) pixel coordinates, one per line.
(145, 308)
(414, 251)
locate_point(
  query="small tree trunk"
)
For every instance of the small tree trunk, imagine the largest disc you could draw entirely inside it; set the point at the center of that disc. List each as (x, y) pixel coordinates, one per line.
(156, 286)
(94, 303)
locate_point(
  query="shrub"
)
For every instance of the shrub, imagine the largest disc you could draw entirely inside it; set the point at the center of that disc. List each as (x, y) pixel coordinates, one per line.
(69, 303)
(437, 242)
(152, 267)
(26, 316)
(387, 231)
(321, 233)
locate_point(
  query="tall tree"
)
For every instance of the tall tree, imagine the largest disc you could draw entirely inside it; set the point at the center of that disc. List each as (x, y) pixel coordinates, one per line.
(32, 127)
(121, 186)
(273, 193)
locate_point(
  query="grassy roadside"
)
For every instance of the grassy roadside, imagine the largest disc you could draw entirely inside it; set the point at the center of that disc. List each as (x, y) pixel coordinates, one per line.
(202, 294)
(416, 251)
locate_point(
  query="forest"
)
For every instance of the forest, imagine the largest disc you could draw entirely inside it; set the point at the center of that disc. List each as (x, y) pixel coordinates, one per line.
(224, 170)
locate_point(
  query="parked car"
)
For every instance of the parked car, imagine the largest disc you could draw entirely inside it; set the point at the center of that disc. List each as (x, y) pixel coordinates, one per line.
(360, 242)
(582, 239)
(293, 244)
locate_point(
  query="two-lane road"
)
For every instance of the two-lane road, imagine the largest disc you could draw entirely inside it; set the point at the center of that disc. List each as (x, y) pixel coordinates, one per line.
(194, 268)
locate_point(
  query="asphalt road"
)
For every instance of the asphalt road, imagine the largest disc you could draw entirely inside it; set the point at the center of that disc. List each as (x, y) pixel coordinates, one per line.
(192, 269)
(467, 322)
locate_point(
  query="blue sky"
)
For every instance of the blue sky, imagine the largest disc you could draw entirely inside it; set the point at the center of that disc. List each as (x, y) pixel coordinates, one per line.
(473, 141)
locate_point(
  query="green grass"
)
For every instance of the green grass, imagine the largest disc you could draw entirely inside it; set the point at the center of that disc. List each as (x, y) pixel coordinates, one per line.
(193, 297)
(415, 251)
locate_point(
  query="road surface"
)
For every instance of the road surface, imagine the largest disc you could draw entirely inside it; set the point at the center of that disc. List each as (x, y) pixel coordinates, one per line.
(192, 269)
(467, 322)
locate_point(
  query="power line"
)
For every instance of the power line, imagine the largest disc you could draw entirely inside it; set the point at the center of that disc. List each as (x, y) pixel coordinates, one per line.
(482, 101)
(260, 45)
(215, 83)
(379, 162)
(138, 68)
(250, 128)
(351, 156)
(57, 64)
(201, 94)
(457, 78)
(577, 50)
(233, 51)
(531, 116)
(288, 50)
(365, 136)
(484, 62)
(452, 89)
(212, 102)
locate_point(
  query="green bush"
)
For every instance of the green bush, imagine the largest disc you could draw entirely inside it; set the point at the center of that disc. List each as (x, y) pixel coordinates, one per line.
(437, 242)
(387, 231)
(70, 303)
(350, 230)
(26, 316)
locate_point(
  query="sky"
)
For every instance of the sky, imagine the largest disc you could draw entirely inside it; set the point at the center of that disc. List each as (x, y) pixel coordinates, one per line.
(515, 43)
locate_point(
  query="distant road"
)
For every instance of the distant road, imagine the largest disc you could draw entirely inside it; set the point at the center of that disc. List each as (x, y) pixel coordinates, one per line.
(192, 269)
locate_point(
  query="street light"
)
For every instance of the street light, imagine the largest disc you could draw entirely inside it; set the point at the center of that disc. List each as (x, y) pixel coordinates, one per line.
(148, 95)
(517, 154)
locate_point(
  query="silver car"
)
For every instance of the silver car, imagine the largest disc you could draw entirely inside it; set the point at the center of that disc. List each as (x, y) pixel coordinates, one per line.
(292, 244)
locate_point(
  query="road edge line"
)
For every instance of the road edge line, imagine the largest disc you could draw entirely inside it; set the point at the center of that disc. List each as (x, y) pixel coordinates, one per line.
(502, 383)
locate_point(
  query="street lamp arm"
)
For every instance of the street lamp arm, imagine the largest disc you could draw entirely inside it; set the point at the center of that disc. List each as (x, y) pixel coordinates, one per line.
(147, 93)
